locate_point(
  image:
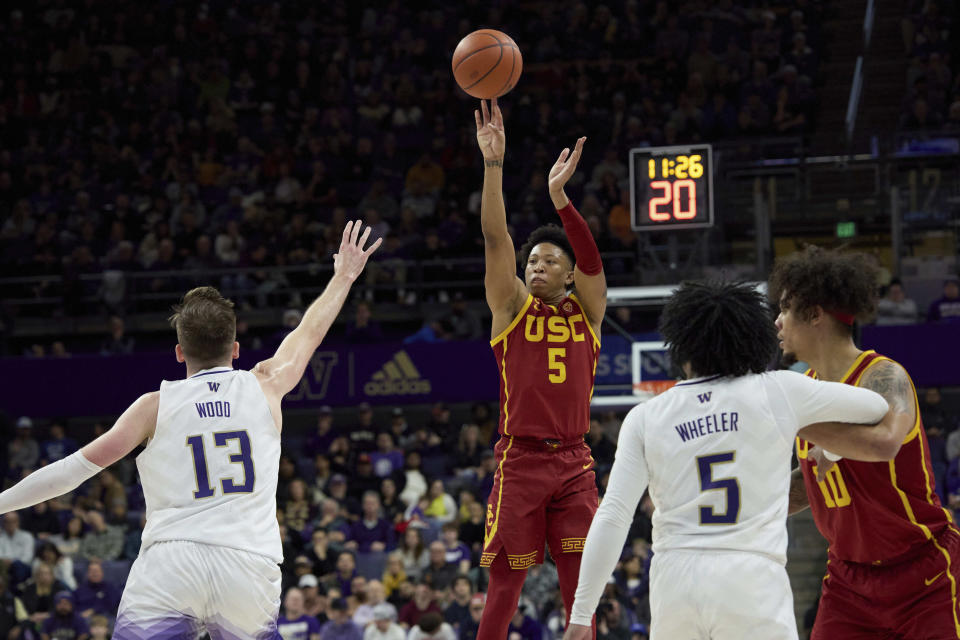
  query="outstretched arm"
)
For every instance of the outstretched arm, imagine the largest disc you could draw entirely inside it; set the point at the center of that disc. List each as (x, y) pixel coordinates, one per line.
(588, 275)
(869, 443)
(505, 292)
(281, 373)
(135, 425)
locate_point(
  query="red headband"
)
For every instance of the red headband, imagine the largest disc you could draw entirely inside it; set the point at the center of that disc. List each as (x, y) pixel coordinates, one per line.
(845, 318)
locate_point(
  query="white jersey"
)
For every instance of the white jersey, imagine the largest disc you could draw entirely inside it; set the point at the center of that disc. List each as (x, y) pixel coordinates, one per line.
(716, 455)
(209, 473)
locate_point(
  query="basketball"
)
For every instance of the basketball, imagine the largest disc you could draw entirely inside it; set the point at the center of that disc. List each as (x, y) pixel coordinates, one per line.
(487, 63)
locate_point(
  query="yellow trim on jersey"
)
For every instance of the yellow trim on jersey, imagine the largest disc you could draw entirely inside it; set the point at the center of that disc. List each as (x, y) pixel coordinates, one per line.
(596, 340)
(520, 314)
(856, 363)
(488, 538)
(506, 389)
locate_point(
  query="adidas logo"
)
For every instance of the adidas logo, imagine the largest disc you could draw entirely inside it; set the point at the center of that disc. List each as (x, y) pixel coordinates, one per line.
(397, 377)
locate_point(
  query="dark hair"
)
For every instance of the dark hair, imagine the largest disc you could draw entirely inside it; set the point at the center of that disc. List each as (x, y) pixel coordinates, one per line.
(547, 233)
(720, 328)
(430, 622)
(206, 326)
(834, 280)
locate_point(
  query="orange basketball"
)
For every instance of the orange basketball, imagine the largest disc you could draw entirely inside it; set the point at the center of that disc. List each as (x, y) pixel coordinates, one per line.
(487, 63)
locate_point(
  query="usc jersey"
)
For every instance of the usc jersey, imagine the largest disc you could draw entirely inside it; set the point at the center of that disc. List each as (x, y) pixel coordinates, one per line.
(874, 512)
(547, 359)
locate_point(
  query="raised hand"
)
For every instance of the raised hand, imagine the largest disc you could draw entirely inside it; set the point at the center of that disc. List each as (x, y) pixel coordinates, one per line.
(351, 257)
(563, 168)
(490, 134)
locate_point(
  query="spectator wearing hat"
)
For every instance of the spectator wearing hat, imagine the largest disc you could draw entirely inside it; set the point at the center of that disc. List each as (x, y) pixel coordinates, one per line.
(384, 626)
(96, 595)
(372, 532)
(23, 452)
(457, 612)
(468, 629)
(64, 624)
(423, 602)
(363, 433)
(340, 626)
(363, 480)
(294, 623)
(375, 596)
(432, 627)
(314, 599)
(338, 490)
(320, 440)
(895, 307)
(947, 307)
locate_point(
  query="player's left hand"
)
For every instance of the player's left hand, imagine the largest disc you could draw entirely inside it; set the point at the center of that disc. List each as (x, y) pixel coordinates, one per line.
(578, 632)
(823, 464)
(564, 167)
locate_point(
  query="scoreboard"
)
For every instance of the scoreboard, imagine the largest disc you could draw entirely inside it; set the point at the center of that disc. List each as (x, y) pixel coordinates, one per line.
(671, 188)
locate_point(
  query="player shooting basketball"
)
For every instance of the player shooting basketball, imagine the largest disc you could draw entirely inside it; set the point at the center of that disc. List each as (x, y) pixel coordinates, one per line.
(545, 339)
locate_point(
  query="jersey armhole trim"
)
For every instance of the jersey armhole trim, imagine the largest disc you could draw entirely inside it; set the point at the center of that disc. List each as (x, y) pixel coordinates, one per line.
(587, 322)
(523, 310)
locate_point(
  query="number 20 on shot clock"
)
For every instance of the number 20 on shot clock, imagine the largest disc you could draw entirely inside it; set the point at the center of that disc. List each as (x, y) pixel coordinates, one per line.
(671, 188)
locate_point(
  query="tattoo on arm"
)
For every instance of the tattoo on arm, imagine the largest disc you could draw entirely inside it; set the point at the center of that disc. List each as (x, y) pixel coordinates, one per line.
(493, 163)
(798, 493)
(891, 382)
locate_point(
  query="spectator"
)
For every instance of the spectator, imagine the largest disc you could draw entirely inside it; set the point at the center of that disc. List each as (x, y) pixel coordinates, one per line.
(38, 595)
(16, 547)
(526, 627)
(432, 627)
(346, 571)
(439, 573)
(340, 626)
(363, 433)
(134, 538)
(457, 554)
(387, 459)
(297, 510)
(118, 343)
(947, 307)
(414, 553)
(319, 553)
(102, 541)
(390, 501)
(314, 602)
(331, 519)
(896, 307)
(468, 629)
(473, 530)
(364, 329)
(58, 446)
(464, 324)
(319, 442)
(363, 480)
(384, 625)
(12, 611)
(41, 520)
(376, 596)
(371, 532)
(393, 573)
(64, 624)
(415, 484)
(337, 488)
(62, 565)
(23, 452)
(294, 623)
(422, 603)
(96, 595)
(441, 506)
(99, 628)
(541, 583)
(457, 612)
(69, 543)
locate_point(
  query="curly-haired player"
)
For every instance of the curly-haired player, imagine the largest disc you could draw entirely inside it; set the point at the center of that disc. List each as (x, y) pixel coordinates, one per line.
(715, 450)
(894, 551)
(545, 339)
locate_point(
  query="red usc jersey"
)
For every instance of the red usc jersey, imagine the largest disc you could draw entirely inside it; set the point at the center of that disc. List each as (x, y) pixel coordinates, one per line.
(873, 512)
(547, 359)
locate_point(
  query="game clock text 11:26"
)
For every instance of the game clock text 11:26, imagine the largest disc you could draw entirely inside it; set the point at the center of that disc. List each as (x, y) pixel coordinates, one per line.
(671, 187)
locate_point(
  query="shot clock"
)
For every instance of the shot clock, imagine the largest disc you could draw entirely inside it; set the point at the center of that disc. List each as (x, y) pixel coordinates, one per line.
(671, 187)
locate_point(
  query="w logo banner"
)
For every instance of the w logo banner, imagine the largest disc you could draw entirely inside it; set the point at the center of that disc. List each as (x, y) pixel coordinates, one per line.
(704, 397)
(214, 386)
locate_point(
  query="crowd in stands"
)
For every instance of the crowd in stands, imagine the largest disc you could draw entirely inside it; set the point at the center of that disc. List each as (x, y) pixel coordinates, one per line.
(139, 140)
(932, 99)
(382, 524)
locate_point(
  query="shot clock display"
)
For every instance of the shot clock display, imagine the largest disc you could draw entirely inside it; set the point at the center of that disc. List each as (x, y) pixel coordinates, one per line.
(671, 188)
